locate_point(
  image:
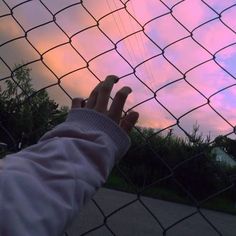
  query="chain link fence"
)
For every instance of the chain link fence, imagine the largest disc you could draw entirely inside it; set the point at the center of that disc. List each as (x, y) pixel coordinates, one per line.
(142, 41)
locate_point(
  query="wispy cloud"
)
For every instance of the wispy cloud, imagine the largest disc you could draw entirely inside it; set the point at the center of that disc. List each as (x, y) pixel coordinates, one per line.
(159, 49)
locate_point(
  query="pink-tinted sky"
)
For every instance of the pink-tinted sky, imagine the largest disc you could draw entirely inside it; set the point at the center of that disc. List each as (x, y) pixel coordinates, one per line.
(161, 57)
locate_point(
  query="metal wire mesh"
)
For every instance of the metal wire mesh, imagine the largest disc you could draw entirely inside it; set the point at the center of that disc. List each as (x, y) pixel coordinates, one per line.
(115, 11)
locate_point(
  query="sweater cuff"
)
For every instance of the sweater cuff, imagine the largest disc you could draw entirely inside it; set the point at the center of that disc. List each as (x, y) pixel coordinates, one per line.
(92, 120)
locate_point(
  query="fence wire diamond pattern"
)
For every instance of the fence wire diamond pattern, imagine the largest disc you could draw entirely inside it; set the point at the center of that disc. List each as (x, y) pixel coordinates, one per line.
(181, 48)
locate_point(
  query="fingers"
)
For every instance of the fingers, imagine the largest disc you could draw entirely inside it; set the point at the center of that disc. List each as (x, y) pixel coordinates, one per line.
(104, 93)
(129, 121)
(118, 103)
(91, 102)
(99, 98)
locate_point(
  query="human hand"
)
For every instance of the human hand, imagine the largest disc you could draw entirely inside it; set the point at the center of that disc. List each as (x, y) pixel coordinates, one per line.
(98, 101)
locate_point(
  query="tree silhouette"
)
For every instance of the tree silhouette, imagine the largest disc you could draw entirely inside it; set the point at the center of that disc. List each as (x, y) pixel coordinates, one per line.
(26, 114)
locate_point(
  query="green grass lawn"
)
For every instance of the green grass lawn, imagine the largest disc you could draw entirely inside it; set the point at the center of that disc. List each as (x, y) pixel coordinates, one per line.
(219, 203)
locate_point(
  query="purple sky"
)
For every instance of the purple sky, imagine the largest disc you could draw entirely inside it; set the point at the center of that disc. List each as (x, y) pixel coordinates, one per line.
(178, 68)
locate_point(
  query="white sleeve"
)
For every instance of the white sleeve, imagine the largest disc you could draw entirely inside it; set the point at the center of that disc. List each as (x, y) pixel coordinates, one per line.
(43, 187)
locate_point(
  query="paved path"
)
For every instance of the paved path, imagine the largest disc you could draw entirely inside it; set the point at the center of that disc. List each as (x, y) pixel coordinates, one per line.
(135, 220)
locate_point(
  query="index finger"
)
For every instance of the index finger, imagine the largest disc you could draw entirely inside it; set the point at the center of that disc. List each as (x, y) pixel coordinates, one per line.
(93, 97)
(104, 93)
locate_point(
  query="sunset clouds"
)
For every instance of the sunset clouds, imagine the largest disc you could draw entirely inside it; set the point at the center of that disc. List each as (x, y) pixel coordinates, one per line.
(178, 56)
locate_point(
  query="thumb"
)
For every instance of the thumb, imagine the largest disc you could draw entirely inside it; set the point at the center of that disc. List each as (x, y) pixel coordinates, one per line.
(77, 103)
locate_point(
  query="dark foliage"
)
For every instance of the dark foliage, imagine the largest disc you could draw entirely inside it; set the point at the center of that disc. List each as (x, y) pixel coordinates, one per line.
(155, 158)
(26, 114)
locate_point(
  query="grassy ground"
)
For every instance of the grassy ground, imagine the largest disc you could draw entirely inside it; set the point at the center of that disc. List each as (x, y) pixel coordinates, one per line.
(219, 203)
(117, 182)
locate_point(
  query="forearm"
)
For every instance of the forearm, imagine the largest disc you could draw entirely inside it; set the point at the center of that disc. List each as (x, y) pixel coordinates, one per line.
(44, 186)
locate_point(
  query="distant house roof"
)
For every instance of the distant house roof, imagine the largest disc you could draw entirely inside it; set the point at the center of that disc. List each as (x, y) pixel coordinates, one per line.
(222, 156)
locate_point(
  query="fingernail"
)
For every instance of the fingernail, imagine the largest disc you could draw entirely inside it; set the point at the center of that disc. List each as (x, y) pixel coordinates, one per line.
(114, 78)
(127, 90)
(83, 103)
